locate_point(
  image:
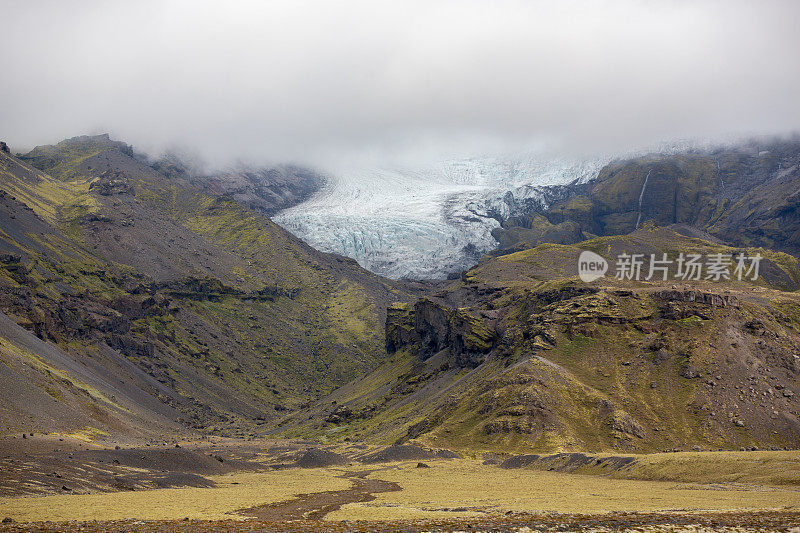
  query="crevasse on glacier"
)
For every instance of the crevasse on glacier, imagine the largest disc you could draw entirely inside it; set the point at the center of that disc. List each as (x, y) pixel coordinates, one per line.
(425, 223)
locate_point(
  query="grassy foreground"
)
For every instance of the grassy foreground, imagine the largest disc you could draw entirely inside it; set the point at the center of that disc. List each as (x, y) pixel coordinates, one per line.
(233, 491)
(768, 468)
(458, 488)
(467, 487)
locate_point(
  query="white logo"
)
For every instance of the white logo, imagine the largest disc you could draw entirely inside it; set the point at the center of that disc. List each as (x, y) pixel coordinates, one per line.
(591, 266)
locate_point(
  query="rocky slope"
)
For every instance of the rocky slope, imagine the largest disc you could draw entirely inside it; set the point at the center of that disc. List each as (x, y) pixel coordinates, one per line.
(745, 194)
(264, 189)
(520, 355)
(133, 295)
(232, 318)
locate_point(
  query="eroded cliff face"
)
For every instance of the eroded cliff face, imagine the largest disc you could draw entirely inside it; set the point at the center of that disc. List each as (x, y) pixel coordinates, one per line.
(744, 195)
(428, 327)
(580, 367)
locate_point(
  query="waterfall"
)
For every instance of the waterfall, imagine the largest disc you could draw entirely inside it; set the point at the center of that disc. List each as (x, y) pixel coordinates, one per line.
(641, 197)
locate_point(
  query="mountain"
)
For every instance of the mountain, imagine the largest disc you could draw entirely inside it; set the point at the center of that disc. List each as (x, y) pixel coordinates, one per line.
(520, 355)
(745, 194)
(86, 389)
(187, 296)
(437, 220)
(139, 300)
(264, 189)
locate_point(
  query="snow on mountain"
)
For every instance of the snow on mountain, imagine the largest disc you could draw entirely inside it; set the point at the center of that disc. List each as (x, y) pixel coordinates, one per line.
(427, 222)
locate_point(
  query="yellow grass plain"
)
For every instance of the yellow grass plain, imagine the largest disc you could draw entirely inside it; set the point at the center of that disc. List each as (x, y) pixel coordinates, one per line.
(233, 491)
(455, 488)
(468, 486)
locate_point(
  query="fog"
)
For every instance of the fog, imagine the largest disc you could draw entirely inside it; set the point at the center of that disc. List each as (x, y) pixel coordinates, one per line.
(316, 82)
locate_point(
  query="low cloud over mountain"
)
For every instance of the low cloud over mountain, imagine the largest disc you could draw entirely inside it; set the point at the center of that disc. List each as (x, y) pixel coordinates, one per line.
(317, 81)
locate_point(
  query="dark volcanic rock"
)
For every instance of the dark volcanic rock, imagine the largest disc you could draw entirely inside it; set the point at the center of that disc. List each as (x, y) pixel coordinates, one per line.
(743, 194)
(432, 324)
(519, 461)
(182, 479)
(566, 462)
(318, 458)
(447, 454)
(690, 372)
(400, 330)
(472, 338)
(430, 327)
(111, 182)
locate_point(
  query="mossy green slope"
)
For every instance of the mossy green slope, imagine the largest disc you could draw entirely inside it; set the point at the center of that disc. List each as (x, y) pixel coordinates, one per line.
(745, 195)
(607, 366)
(236, 316)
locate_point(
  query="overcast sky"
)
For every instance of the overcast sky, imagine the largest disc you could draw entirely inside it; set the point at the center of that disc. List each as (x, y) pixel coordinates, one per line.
(307, 81)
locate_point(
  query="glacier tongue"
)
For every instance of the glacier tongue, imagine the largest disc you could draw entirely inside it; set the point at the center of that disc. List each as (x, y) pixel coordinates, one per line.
(428, 222)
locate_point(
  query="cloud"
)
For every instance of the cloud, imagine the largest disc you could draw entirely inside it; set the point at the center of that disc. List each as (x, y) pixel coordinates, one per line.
(309, 81)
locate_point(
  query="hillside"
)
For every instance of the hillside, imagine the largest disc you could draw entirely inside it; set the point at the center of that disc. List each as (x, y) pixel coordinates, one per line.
(264, 189)
(227, 318)
(162, 289)
(745, 195)
(520, 355)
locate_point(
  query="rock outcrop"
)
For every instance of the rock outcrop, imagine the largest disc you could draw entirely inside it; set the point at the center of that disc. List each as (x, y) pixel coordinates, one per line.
(110, 183)
(428, 327)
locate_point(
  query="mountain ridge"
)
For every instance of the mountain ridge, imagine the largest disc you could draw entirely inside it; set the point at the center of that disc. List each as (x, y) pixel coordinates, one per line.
(240, 328)
(745, 194)
(209, 297)
(520, 355)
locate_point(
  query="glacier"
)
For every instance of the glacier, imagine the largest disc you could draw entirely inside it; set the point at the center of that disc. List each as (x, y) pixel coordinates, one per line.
(426, 222)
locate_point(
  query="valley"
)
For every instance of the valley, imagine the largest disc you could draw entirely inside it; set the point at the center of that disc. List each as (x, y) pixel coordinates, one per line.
(386, 267)
(174, 360)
